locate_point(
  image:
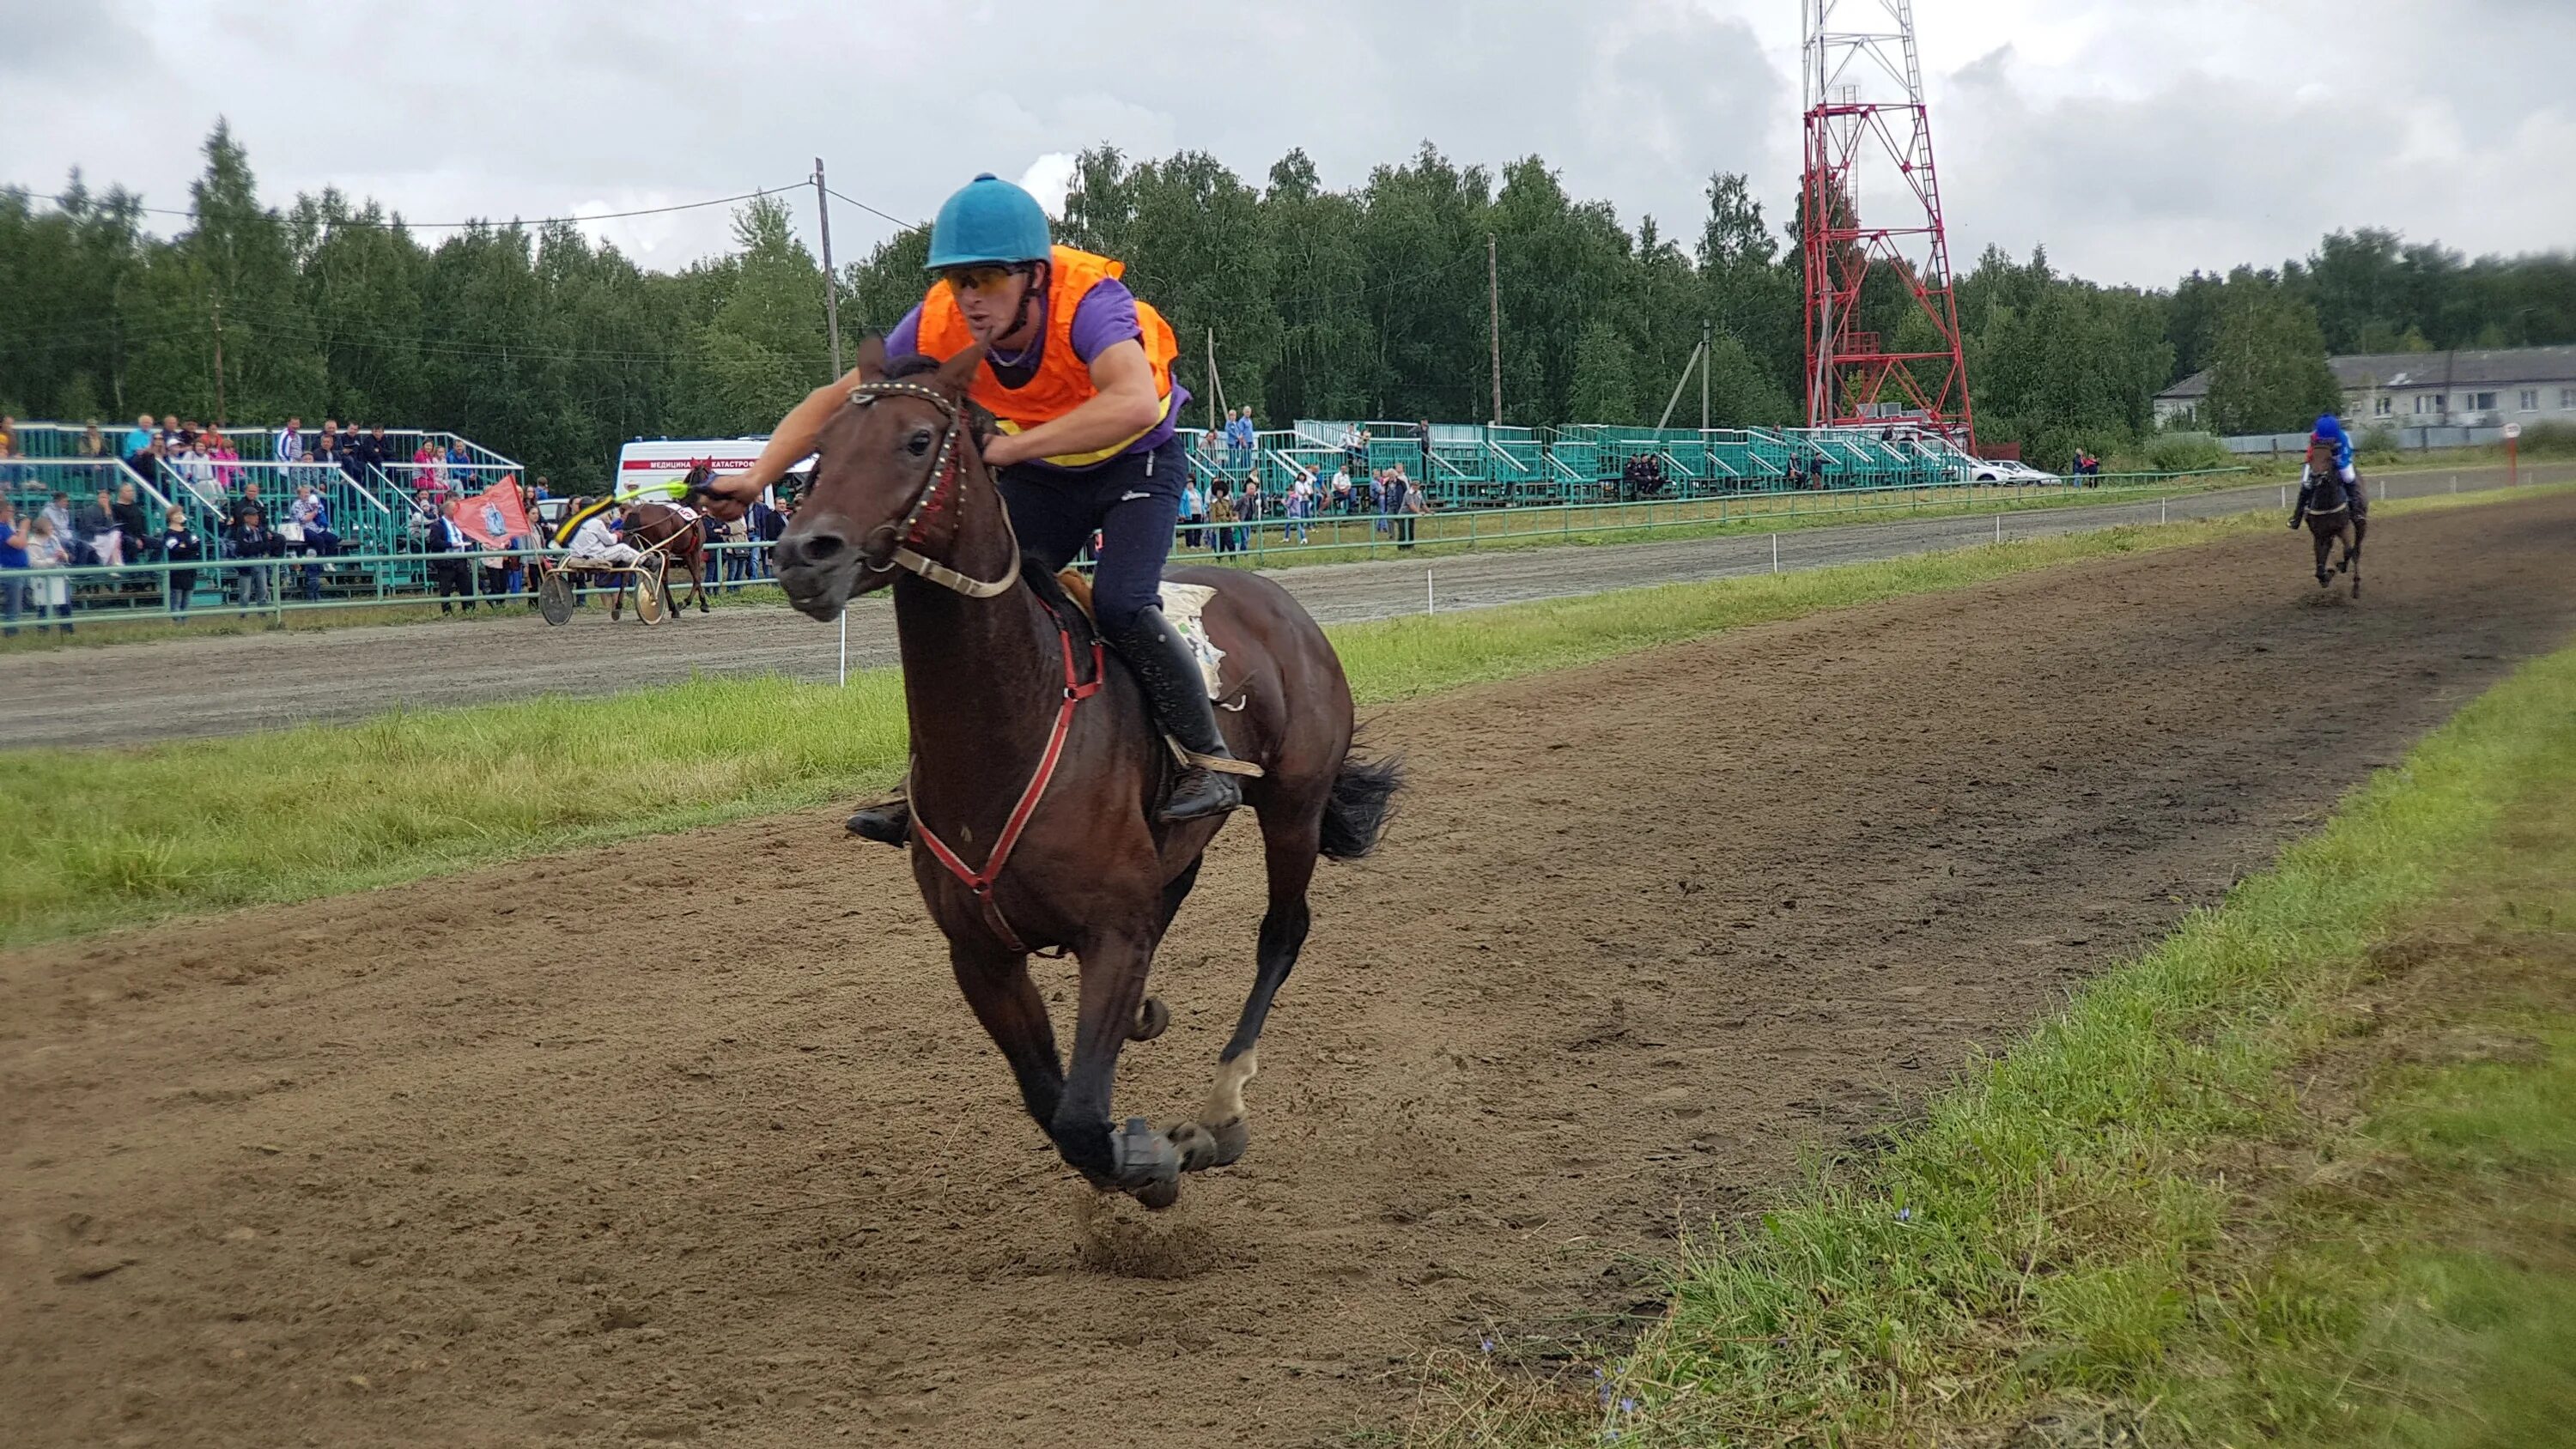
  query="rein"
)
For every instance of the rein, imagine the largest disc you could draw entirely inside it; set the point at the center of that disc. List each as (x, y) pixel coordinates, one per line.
(937, 493)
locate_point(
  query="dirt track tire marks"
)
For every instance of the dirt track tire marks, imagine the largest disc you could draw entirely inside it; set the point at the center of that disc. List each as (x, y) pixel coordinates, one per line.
(465, 1163)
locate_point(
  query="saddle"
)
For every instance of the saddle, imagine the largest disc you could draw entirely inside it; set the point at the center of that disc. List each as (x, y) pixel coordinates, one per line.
(1184, 604)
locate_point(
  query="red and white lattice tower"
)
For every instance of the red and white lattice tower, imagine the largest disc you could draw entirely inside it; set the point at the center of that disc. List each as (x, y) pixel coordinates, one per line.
(1870, 208)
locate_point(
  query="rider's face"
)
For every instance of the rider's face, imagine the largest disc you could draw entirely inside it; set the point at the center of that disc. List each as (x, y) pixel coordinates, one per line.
(989, 309)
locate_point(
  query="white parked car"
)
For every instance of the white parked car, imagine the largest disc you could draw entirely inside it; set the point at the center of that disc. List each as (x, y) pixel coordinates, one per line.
(2003, 470)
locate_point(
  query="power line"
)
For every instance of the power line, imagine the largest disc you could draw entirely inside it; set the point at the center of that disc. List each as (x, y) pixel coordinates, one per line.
(872, 211)
(62, 199)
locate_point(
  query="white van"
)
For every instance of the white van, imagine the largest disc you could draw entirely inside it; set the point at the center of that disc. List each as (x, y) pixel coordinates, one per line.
(646, 462)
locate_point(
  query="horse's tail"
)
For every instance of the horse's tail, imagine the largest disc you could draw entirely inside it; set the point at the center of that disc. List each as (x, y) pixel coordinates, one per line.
(1362, 801)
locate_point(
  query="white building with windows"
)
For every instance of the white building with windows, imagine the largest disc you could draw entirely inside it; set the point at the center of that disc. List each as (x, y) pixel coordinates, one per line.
(2429, 389)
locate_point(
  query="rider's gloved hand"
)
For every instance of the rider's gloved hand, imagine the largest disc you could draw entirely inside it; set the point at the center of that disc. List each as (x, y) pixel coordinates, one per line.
(733, 485)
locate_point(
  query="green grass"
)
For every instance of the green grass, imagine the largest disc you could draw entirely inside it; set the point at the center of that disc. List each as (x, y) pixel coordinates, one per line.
(108, 837)
(2128, 1230)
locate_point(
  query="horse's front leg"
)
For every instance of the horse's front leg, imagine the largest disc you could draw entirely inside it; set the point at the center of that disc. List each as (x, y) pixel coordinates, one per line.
(998, 990)
(2325, 546)
(1133, 1157)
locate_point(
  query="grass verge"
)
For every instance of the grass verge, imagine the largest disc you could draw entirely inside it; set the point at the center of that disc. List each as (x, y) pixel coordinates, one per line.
(2301, 1175)
(108, 837)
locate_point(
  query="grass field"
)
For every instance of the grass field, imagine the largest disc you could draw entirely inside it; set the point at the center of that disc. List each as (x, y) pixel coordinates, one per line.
(2303, 1175)
(108, 837)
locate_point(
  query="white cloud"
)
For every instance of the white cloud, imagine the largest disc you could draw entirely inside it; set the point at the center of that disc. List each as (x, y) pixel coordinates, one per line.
(1048, 179)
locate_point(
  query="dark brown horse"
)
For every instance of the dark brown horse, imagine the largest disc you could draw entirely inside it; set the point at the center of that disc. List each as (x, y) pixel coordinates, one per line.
(2330, 515)
(1002, 677)
(679, 534)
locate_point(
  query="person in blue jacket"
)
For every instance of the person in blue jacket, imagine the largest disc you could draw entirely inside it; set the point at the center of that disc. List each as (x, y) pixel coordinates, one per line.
(2330, 430)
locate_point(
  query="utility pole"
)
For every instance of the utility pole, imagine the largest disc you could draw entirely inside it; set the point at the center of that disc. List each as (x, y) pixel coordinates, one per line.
(219, 362)
(831, 284)
(1704, 359)
(1216, 382)
(1698, 356)
(1494, 323)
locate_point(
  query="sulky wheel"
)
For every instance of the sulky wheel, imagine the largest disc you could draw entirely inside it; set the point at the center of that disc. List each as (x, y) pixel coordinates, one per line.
(554, 597)
(650, 605)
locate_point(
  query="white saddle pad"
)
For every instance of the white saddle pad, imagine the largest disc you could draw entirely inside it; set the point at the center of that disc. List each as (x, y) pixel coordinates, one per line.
(1185, 605)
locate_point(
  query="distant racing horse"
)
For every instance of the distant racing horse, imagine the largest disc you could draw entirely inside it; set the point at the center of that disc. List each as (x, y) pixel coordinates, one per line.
(679, 533)
(1035, 756)
(2330, 515)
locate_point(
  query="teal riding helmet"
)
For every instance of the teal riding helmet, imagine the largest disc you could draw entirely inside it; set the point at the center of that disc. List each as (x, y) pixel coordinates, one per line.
(989, 220)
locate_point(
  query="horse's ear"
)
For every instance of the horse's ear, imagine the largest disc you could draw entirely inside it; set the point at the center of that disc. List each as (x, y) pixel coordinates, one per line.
(958, 372)
(872, 356)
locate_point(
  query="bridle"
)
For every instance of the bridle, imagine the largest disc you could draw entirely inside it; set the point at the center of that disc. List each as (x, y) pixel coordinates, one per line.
(898, 545)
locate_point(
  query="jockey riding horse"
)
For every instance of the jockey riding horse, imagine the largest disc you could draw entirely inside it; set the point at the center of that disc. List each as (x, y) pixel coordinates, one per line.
(2329, 430)
(1076, 378)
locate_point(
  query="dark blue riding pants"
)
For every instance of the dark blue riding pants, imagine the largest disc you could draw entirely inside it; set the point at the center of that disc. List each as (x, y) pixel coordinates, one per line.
(1133, 501)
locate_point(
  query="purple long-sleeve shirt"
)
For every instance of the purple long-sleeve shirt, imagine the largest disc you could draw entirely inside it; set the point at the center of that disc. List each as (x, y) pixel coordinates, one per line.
(1105, 317)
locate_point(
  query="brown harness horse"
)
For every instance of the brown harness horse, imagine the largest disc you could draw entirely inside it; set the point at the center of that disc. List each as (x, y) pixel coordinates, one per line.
(679, 535)
(2330, 516)
(1035, 755)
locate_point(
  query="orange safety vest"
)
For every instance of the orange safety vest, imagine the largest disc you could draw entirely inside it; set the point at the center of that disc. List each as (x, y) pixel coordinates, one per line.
(1063, 381)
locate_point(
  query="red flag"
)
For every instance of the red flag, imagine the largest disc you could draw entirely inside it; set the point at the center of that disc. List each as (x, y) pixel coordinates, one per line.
(495, 515)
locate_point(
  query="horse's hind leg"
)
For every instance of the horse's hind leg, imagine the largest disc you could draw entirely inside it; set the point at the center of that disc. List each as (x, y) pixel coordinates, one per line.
(1290, 839)
(1154, 1016)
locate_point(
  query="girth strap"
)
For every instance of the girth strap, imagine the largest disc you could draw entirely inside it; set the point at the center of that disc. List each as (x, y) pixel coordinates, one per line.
(981, 882)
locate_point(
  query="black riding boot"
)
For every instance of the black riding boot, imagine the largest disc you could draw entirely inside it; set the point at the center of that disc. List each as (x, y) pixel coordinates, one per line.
(2299, 511)
(887, 822)
(1177, 691)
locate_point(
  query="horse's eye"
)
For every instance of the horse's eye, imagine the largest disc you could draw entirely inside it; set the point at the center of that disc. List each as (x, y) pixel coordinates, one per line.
(919, 442)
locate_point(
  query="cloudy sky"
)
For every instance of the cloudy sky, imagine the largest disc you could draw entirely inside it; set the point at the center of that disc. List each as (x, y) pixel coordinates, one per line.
(2137, 139)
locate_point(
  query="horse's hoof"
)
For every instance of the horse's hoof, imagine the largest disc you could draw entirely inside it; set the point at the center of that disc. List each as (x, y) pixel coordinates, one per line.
(1202, 1146)
(1151, 1019)
(1231, 1138)
(1142, 1157)
(1158, 1196)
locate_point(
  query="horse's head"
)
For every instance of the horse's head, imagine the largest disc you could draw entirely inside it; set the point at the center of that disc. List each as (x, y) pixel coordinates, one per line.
(717, 506)
(891, 472)
(2321, 455)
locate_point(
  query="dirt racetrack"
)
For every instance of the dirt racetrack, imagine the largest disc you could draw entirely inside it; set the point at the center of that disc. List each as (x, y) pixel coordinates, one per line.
(550, 1154)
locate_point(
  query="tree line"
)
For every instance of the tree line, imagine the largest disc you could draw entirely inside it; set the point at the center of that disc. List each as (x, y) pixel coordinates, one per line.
(1369, 301)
